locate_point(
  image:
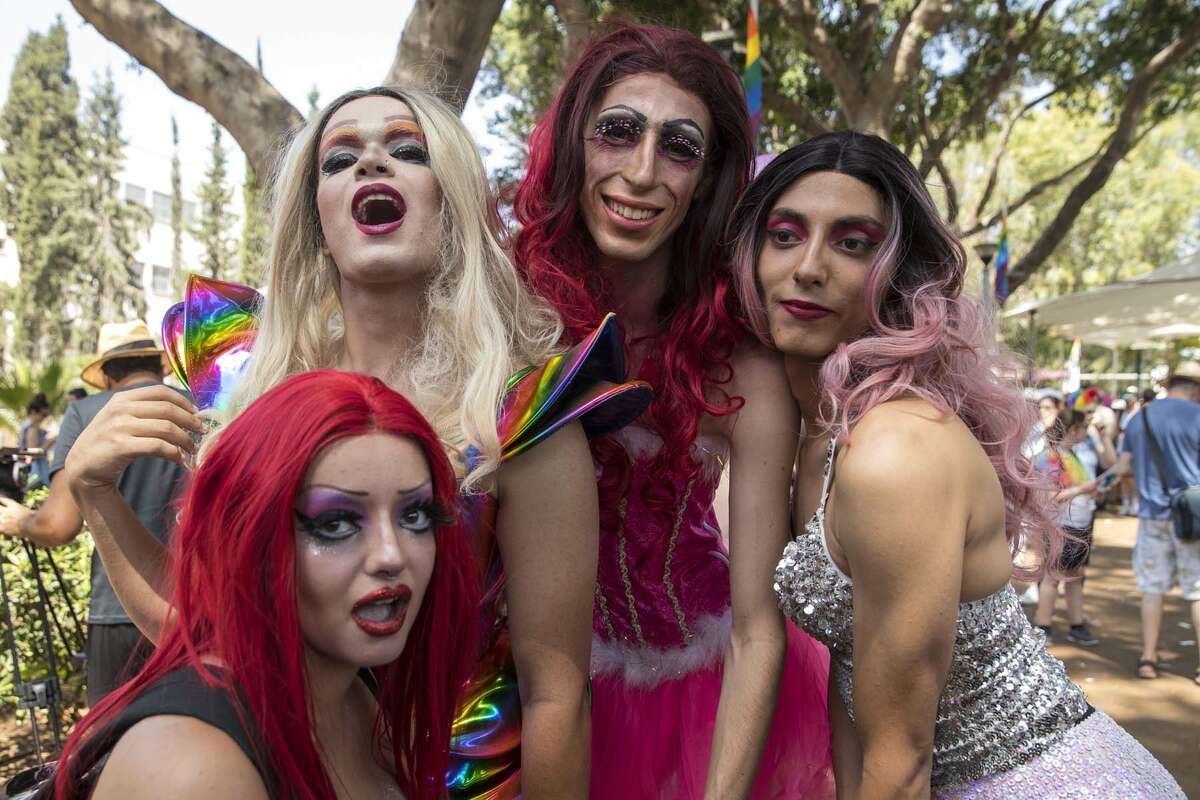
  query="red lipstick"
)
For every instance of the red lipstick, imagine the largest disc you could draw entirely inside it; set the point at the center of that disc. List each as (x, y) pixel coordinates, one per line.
(801, 309)
(377, 209)
(388, 609)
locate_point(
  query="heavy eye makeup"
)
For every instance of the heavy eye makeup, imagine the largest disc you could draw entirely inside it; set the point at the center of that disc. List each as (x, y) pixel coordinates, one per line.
(403, 139)
(857, 238)
(784, 231)
(625, 130)
(330, 516)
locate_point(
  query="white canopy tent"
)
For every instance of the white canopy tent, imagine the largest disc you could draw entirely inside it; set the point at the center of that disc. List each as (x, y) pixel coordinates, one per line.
(1139, 313)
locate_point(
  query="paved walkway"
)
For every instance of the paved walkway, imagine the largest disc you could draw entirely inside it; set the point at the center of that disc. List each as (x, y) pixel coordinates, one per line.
(1163, 714)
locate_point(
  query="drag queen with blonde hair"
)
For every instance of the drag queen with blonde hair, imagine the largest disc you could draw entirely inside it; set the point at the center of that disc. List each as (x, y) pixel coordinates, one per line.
(386, 259)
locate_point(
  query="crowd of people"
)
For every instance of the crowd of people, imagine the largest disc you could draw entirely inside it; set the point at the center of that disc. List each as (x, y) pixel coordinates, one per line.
(455, 532)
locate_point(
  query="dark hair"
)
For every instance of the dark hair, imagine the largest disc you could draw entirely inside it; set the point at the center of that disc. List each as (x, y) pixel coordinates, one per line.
(37, 403)
(119, 369)
(78, 393)
(1176, 381)
(1149, 395)
(926, 339)
(1064, 421)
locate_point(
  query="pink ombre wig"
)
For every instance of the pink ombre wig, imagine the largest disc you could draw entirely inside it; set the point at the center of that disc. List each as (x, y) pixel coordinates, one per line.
(925, 340)
(699, 322)
(233, 570)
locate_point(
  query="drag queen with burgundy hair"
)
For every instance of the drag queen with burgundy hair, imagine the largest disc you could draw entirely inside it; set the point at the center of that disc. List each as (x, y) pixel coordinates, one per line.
(911, 495)
(323, 606)
(632, 174)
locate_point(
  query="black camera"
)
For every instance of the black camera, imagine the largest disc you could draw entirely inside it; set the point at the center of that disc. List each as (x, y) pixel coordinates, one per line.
(15, 465)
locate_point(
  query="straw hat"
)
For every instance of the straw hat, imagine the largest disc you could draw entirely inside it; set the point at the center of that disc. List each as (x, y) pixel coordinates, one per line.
(1187, 370)
(121, 340)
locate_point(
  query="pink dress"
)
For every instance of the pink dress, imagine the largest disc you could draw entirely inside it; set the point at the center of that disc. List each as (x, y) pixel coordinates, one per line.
(660, 630)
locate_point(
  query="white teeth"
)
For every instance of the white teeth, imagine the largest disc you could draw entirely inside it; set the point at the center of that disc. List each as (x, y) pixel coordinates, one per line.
(628, 212)
(379, 611)
(360, 209)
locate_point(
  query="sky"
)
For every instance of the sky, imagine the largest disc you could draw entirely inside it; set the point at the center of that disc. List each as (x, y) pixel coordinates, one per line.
(332, 46)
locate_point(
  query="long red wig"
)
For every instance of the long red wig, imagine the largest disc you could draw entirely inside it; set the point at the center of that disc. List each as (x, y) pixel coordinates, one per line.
(699, 319)
(234, 592)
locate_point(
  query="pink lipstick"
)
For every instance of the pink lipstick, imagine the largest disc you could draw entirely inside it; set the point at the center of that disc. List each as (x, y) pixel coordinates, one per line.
(382, 612)
(378, 209)
(801, 309)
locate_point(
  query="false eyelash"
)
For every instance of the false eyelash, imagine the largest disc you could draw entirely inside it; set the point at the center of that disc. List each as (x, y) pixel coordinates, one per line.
(678, 139)
(607, 127)
(438, 512)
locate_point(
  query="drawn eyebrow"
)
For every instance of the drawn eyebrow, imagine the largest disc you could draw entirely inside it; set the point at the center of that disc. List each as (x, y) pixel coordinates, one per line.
(676, 123)
(637, 114)
(354, 492)
(841, 222)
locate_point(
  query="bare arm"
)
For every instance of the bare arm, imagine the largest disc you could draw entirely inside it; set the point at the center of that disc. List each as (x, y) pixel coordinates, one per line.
(56, 522)
(177, 757)
(548, 532)
(153, 421)
(847, 754)
(763, 450)
(900, 517)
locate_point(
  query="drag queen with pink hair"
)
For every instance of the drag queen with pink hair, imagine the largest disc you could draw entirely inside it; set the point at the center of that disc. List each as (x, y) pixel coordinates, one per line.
(911, 495)
(632, 175)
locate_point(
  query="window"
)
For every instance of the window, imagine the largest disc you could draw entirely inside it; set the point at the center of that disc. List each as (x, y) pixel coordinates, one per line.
(135, 194)
(161, 281)
(162, 208)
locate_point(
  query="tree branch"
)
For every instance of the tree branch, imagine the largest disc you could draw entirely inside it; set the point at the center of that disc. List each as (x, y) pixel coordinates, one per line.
(901, 62)
(1001, 148)
(577, 17)
(951, 192)
(866, 25)
(1036, 190)
(818, 44)
(1013, 48)
(195, 66)
(443, 44)
(793, 111)
(1138, 97)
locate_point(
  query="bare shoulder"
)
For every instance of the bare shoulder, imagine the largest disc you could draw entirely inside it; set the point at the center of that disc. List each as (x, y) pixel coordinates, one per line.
(179, 757)
(752, 362)
(905, 445)
(564, 455)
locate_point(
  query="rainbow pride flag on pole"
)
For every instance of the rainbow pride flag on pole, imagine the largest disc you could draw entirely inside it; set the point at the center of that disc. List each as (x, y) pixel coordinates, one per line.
(752, 76)
(1002, 265)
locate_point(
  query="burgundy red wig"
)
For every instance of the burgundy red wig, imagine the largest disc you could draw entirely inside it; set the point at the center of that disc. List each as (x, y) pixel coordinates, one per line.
(233, 582)
(699, 318)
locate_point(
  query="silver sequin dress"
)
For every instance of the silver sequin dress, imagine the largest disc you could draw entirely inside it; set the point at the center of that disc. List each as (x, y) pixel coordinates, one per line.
(1010, 723)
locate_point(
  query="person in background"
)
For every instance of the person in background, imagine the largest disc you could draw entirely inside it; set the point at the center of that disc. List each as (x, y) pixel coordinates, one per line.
(1070, 460)
(1129, 495)
(32, 435)
(78, 393)
(1160, 558)
(127, 359)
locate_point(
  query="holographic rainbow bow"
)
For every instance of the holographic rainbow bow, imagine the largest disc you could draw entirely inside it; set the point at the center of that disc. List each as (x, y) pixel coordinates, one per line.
(208, 338)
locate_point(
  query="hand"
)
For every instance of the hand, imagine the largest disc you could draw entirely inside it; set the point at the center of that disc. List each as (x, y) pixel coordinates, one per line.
(154, 421)
(11, 514)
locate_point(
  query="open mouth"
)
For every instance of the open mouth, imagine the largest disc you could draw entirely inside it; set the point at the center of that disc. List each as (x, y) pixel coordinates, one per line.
(377, 208)
(631, 213)
(382, 612)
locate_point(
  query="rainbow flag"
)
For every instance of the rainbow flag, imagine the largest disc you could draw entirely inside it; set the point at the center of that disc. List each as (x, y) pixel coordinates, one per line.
(752, 76)
(1002, 265)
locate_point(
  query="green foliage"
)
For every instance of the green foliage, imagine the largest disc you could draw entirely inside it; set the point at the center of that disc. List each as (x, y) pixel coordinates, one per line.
(178, 273)
(213, 229)
(74, 562)
(21, 383)
(255, 230)
(40, 197)
(110, 276)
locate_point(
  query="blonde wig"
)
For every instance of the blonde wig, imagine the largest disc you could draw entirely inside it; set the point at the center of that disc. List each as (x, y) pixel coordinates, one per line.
(481, 325)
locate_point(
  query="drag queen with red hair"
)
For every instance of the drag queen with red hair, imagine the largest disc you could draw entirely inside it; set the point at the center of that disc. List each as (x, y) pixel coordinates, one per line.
(632, 175)
(323, 606)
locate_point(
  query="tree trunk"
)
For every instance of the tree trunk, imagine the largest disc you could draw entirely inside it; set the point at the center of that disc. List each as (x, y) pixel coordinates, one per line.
(1140, 93)
(442, 45)
(195, 66)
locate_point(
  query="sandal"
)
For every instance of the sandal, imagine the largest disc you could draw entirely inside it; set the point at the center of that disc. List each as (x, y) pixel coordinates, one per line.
(1147, 669)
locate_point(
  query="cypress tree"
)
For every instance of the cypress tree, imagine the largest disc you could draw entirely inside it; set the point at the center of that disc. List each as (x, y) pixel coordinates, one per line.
(178, 278)
(41, 193)
(111, 273)
(215, 220)
(254, 224)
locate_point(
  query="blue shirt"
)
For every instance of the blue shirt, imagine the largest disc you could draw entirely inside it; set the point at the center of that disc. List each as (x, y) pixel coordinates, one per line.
(1176, 425)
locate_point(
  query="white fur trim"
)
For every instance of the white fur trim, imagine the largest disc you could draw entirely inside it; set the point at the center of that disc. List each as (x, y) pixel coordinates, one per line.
(646, 667)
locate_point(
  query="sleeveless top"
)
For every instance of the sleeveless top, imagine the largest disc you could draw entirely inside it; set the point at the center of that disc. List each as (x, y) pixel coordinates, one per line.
(662, 593)
(181, 692)
(587, 383)
(1006, 699)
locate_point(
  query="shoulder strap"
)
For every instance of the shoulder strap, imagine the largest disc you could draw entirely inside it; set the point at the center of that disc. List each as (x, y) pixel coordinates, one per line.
(827, 481)
(1155, 452)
